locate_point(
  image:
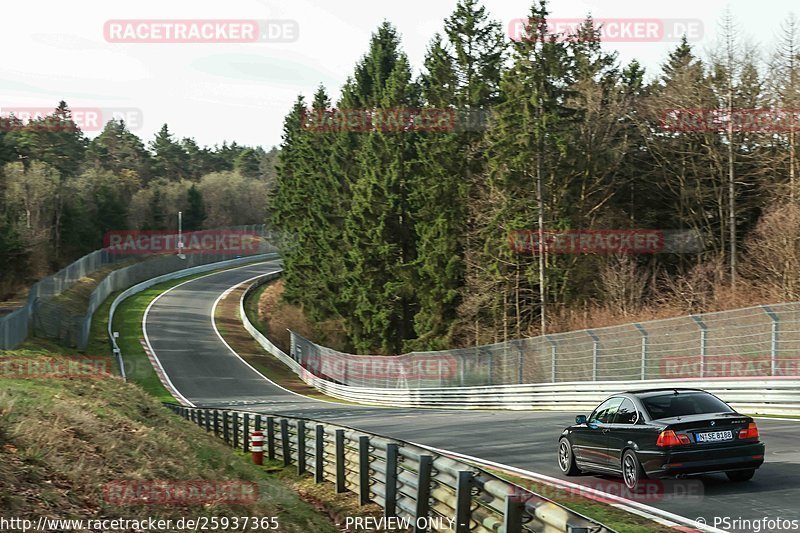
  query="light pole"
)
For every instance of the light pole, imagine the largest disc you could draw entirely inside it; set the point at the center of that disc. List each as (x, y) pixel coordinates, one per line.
(180, 235)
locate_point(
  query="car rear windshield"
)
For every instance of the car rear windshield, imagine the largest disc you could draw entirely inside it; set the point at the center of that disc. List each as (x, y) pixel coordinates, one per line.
(668, 405)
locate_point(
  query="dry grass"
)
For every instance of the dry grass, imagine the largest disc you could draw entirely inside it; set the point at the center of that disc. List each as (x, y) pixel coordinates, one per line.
(63, 440)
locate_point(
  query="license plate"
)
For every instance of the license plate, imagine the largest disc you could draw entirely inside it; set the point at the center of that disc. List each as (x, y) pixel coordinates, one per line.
(714, 436)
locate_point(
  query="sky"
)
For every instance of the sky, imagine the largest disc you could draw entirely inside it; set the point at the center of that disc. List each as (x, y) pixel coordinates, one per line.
(241, 91)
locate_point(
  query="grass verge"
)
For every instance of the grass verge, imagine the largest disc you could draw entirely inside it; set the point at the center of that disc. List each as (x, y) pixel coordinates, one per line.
(64, 440)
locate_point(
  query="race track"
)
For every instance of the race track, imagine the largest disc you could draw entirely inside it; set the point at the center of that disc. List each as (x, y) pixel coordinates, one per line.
(179, 329)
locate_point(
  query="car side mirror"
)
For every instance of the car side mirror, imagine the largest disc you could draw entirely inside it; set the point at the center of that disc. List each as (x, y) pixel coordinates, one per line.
(580, 419)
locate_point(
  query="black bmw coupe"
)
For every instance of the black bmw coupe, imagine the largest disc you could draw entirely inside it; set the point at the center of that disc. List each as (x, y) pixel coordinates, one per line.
(662, 433)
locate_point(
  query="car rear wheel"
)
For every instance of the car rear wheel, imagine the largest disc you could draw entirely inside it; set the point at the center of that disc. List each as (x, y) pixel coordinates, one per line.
(632, 471)
(741, 475)
(566, 459)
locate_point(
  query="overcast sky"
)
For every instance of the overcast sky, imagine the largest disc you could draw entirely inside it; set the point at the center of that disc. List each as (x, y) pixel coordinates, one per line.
(55, 50)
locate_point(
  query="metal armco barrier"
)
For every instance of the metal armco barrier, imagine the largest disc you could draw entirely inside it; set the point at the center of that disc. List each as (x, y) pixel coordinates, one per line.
(421, 488)
(762, 395)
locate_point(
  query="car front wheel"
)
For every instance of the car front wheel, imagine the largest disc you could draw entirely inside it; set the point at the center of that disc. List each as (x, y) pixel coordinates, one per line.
(566, 459)
(740, 475)
(632, 471)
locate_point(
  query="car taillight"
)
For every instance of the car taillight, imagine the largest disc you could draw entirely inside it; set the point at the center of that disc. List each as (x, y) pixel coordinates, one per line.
(669, 438)
(751, 432)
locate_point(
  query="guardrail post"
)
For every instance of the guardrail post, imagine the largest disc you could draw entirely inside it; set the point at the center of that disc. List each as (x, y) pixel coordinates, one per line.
(207, 420)
(301, 447)
(235, 423)
(423, 507)
(286, 449)
(319, 455)
(512, 515)
(773, 341)
(340, 479)
(553, 350)
(363, 470)
(644, 349)
(464, 501)
(225, 430)
(246, 432)
(703, 332)
(216, 423)
(390, 506)
(270, 438)
(595, 350)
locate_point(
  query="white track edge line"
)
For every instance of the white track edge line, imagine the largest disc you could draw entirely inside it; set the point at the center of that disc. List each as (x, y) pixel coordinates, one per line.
(181, 397)
(262, 376)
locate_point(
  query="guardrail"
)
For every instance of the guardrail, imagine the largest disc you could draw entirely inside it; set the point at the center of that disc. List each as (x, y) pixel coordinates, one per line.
(428, 490)
(767, 395)
(144, 285)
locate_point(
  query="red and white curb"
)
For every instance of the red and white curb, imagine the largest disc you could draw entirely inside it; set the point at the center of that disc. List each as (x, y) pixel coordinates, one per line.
(162, 376)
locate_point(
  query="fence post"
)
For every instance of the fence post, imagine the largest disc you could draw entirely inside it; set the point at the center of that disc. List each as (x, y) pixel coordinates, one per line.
(286, 449)
(246, 432)
(520, 363)
(703, 330)
(595, 349)
(423, 492)
(644, 349)
(363, 470)
(489, 367)
(512, 515)
(207, 420)
(464, 501)
(225, 431)
(340, 480)
(553, 349)
(271, 438)
(773, 341)
(390, 505)
(301, 447)
(235, 423)
(216, 423)
(319, 455)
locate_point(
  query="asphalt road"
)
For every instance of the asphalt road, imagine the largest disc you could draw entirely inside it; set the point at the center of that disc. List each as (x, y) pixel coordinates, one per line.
(179, 328)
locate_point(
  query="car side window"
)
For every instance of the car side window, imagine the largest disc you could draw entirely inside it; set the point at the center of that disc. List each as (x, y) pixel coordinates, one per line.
(606, 411)
(626, 414)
